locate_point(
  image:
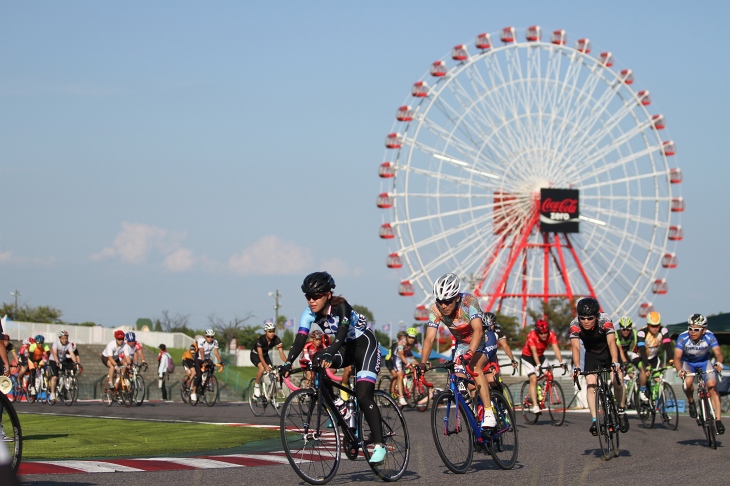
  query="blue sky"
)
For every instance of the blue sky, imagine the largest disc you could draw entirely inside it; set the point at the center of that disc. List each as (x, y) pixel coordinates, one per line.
(193, 157)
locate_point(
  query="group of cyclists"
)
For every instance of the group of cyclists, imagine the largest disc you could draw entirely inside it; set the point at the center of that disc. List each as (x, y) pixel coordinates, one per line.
(197, 358)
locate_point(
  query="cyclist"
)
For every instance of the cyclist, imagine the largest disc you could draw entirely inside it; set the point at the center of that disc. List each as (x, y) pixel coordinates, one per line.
(314, 345)
(627, 340)
(595, 329)
(23, 361)
(489, 323)
(132, 351)
(533, 355)
(692, 353)
(260, 353)
(188, 360)
(462, 315)
(62, 356)
(649, 339)
(38, 352)
(353, 342)
(207, 345)
(111, 355)
(388, 360)
(5, 370)
(402, 360)
(9, 348)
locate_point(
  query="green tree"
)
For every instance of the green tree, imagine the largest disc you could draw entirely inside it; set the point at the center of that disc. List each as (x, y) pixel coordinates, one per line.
(559, 314)
(247, 336)
(41, 314)
(225, 331)
(287, 339)
(382, 337)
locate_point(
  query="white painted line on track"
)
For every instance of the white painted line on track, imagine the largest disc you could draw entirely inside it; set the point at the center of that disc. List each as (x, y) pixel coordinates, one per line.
(261, 457)
(195, 462)
(94, 466)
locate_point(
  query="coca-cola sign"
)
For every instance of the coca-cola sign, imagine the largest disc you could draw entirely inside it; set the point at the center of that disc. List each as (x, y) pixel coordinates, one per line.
(559, 210)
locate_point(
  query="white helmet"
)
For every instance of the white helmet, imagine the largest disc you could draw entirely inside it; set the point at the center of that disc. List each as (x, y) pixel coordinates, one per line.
(269, 326)
(446, 287)
(209, 332)
(697, 320)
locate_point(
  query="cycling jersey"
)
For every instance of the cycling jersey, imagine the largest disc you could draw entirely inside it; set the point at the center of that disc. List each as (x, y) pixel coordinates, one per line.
(265, 345)
(23, 354)
(128, 350)
(38, 353)
(63, 352)
(342, 315)
(695, 352)
(310, 349)
(649, 343)
(460, 325)
(534, 340)
(594, 340)
(402, 346)
(112, 350)
(207, 347)
(629, 344)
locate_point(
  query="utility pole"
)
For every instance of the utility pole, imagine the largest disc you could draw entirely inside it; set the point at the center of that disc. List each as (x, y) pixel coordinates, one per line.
(15, 294)
(276, 295)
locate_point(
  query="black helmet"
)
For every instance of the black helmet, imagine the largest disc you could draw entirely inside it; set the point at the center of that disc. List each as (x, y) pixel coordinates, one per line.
(318, 283)
(588, 306)
(489, 320)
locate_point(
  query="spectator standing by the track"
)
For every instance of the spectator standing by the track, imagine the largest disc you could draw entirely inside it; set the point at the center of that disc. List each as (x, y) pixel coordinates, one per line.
(164, 359)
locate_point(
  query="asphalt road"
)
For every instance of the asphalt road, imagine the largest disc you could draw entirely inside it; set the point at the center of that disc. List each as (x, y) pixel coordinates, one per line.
(548, 455)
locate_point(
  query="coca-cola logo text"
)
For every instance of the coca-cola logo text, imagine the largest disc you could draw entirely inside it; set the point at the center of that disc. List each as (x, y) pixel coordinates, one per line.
(564, 206)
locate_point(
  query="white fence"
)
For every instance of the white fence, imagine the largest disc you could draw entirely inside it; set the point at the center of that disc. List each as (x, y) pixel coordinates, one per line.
(92, 334)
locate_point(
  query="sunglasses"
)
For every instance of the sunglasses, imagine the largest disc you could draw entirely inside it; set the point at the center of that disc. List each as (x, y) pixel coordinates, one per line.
(586, 318)
(314, 296)
(270, 331)
(446, 301)
(695, 329)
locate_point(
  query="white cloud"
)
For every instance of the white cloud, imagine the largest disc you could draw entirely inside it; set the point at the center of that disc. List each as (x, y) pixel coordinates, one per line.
(336, 266)
(137, 242)
(9, 258)
(271, 255)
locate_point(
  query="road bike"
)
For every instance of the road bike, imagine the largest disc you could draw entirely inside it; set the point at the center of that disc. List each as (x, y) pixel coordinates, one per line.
(139, 390)
(661, 400)
(705, 413)
(38, 386)
(456, 425)
(185, 388)
(272, 393)
(631, 387)
(67, 389)
(607, 419)
(208, 391)
(12, 430)
(121, 391)
(550, 396)
(313, 445)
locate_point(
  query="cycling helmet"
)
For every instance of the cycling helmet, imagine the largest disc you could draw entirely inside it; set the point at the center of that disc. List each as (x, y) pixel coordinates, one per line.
(625, 323)
(269, 326)
(489, 320)
(63, 333)
(31, 340)
(318, 283)
(209, 332)
(316, 334)
(130, 337)
(26, 342)
(541, 326)
(697, 320)
(446, 287)
(412, 332)
(654, 319)
(119, 334)
(40, 339)
(588, 306)
(6, 337)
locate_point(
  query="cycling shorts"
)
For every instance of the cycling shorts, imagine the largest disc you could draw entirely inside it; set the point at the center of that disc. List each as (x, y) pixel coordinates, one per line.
(700, 365)
(653, 363)
(363, 352)
(597, 361)
(399, 365)
(529, 367)
(389, 365)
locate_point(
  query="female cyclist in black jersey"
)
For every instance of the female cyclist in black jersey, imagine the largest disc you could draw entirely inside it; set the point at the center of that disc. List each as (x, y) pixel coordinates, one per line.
(354, 343)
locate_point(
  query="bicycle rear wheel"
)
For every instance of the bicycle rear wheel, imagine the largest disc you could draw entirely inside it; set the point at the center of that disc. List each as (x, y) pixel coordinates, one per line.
(647, 414)
(127, 393)
(526, 403)
(211, 391)
(668, 407)
(140, 392)
(313, 450)
(257, 404)
(502, 440)
(555, 402)
(395, 437)
(603, 422)
(452, 433)
(11, 429)
(384, 383)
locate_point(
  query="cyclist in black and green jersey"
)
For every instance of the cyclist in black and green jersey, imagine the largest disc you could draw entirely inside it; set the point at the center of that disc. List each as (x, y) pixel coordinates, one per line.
(627, 340)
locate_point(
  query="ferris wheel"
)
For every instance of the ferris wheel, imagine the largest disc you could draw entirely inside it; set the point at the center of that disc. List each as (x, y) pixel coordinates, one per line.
(533, 170)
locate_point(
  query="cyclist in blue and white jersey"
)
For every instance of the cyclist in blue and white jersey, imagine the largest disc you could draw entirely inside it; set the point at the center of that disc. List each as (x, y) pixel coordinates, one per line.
(462, 315)
(692, 353)
(354, 343)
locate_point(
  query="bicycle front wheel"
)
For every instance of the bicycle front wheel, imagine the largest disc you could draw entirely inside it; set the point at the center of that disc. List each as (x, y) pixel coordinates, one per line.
(211, 391)
(395, 438)
(257, 404)
(313, 449)
(647, 415)
(668, 407)
(384, 383)
(139, 390)
(603, 422)
(708, 423)
(273, 392)
(526, 403)
(11, 429)
(452, 433)
(503, 444)
(555, 402)
(507, 393)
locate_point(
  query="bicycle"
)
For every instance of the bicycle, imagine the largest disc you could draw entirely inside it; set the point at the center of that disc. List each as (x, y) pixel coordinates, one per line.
(314, 448)
(38, 386)
(705, 413)
(607, 419)
(121, 391)
(631, 387)
(550, 396)
(139, 391)
(67, 391)
(11, 428)
(660, 399)
(208, 390)
(272, 393)
(456, 426)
